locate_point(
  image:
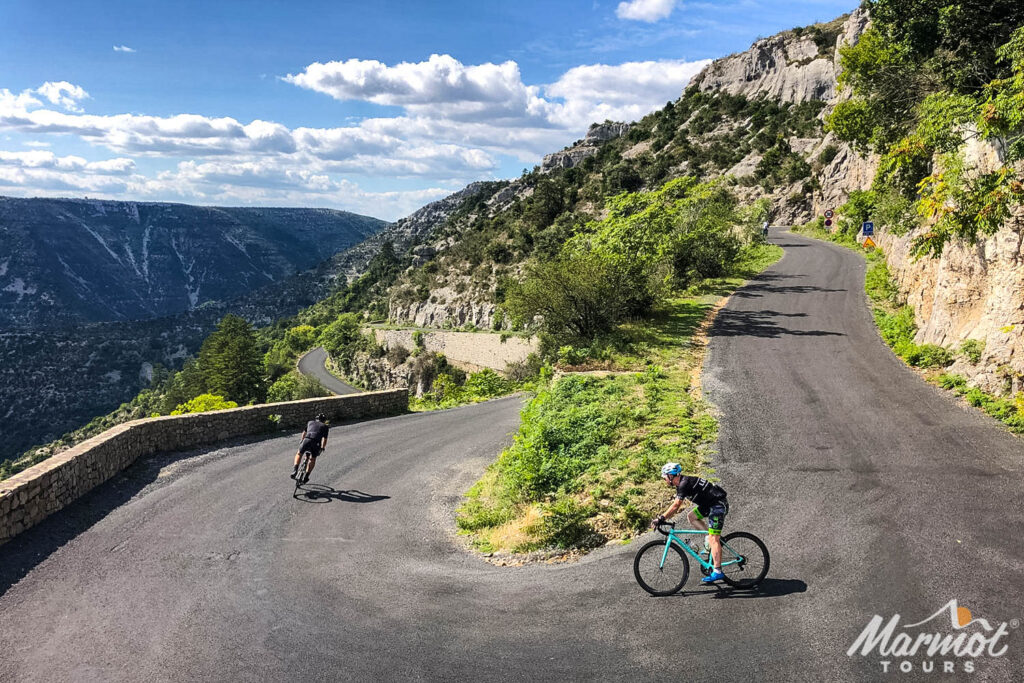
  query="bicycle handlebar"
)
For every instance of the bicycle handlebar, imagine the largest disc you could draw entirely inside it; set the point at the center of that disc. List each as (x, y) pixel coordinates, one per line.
(665, 523)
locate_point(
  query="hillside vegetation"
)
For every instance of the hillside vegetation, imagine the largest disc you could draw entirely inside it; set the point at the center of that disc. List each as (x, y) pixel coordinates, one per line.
(928, 78)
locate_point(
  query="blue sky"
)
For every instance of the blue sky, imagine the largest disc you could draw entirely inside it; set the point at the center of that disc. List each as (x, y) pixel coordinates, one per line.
(374, 107)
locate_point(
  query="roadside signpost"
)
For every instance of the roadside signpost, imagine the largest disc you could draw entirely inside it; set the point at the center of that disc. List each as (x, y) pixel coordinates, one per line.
(869, 243)
(867, 229)
(829, 213)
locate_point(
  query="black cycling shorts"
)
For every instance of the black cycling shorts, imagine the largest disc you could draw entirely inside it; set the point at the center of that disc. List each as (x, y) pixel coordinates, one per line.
(311, 445)
(715, 515)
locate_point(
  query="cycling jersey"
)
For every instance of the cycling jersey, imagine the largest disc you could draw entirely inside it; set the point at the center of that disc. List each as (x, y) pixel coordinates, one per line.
(700, 491)
(316, 430)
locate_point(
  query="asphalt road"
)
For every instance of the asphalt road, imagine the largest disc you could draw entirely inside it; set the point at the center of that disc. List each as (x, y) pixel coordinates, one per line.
(876, 493)
(312, 364)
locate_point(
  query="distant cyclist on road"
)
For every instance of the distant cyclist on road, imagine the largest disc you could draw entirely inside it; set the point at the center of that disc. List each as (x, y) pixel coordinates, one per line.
(314, 440)
(711, 504)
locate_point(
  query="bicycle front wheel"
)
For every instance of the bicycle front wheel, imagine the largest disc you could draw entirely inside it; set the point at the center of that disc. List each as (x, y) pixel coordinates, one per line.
(744, 559)
(657, 577)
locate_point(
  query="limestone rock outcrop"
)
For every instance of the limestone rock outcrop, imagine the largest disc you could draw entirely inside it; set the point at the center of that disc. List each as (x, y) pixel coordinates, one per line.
(573, 154)
(973, 291)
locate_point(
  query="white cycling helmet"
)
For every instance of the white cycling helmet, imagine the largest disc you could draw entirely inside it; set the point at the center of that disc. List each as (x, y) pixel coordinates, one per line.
(671, 469)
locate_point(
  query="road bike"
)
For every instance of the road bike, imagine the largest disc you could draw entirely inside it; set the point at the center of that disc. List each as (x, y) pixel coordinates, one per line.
(301, 473)
(661, 567)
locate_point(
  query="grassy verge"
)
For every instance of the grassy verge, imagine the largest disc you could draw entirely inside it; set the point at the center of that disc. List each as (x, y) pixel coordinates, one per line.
(583, 467)
(897, 327)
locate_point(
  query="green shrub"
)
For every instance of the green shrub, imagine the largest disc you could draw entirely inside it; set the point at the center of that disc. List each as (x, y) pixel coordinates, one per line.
(561, 431)
(524, 370)
(294, 387)
(564, 524)
(928, 356)
(976, 397)
(828, 154)
(487, 384)
(971, 349)
(952, 382)
(896, 328)
(300, 338)
(632, 517)
(204, 403)
(570, 355)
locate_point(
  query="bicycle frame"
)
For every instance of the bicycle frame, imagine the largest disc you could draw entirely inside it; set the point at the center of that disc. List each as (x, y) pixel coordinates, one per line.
(673, 535)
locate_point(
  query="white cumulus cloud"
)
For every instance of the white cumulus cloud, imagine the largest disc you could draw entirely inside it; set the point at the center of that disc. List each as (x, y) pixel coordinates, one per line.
(123, 48)
(645, 10)
(631, 83)
(63, 94)
(457, 121)
(439, 80)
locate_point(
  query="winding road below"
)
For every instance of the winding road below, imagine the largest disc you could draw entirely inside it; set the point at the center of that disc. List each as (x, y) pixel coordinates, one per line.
(876, 493)
(314, 364)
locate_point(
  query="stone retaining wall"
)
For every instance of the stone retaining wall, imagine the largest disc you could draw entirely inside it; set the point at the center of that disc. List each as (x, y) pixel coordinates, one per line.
(479, 349)
(30, 496)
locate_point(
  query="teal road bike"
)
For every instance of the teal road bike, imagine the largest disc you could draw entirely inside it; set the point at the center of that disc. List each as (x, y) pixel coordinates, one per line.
(661, 567)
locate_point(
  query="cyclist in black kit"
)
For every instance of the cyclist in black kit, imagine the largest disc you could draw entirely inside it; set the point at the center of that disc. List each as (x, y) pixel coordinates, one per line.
(711, 504)
(314, 440)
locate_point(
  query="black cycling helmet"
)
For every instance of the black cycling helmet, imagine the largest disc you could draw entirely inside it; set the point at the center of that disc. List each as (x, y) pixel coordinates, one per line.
(320, 417)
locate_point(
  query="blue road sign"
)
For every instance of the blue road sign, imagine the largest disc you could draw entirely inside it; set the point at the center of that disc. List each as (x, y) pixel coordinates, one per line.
(868, 228)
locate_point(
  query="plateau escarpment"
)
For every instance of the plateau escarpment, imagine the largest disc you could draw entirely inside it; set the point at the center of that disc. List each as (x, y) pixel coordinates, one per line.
(72, 261)
(94, 294)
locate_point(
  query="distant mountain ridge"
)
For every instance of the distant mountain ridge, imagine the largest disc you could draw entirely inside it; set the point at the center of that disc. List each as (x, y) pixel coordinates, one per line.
(72, 261)
(93, 294)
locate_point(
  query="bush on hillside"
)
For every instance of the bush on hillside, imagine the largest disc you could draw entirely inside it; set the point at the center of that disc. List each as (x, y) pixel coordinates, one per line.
(204, 403)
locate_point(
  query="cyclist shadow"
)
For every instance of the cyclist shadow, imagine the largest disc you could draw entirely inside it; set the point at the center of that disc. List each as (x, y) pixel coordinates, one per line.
(319, 493)
(769, 588)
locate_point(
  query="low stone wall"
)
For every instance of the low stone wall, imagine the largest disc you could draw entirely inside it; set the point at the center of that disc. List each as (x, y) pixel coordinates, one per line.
(30, 496)
(479, 349)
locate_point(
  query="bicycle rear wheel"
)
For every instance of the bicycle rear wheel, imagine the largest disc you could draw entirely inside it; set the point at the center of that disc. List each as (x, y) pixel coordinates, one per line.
(753, 558)
(303, 463)
(655, 577)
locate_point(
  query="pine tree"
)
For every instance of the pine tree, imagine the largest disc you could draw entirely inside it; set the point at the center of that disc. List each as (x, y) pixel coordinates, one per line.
(231, 363)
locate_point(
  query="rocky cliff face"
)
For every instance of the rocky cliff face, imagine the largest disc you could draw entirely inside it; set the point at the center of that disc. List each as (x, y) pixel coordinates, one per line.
(581, 149)
(793, 66)
(974, 291)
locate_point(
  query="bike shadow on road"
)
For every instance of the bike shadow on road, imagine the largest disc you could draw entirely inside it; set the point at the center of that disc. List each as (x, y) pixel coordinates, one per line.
(769, 588)
(319, 493)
